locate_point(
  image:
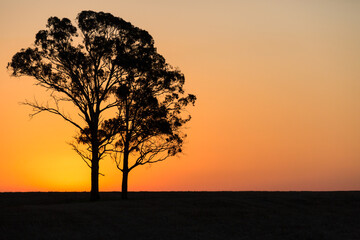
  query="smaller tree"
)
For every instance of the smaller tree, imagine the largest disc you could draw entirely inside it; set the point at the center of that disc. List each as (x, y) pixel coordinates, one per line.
(150, 117)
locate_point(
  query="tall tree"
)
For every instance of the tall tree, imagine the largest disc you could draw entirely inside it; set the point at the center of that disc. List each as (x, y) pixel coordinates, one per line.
(84, 66)
(151, 104)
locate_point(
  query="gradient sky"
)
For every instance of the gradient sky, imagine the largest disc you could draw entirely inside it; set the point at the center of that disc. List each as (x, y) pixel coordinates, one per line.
(278, 87)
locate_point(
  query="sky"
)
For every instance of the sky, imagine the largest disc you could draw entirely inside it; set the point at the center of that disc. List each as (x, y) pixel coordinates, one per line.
(278, 88)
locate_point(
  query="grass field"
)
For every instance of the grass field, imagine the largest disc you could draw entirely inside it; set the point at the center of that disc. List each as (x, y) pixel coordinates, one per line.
(181, 215)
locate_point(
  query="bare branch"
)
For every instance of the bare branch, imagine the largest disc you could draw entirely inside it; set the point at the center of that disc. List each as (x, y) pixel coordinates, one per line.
(37, 108)
(83, 156)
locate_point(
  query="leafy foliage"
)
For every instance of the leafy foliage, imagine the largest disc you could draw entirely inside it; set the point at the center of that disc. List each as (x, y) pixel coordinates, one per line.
(150, 116)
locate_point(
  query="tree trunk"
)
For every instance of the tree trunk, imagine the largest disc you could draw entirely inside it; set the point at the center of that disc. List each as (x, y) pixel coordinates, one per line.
(94, 193)
(124, 187)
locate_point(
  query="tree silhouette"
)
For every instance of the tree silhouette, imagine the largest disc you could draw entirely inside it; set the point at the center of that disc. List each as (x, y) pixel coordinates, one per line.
(151, 104)
(85, 66)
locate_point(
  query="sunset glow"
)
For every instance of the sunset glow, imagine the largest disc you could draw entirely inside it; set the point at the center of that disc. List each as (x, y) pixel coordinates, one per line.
(278, 88)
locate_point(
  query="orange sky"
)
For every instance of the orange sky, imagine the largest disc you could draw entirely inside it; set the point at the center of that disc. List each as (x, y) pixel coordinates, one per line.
(278, 87)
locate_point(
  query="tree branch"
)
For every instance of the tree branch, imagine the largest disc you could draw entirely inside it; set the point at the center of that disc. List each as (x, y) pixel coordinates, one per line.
(38, 109)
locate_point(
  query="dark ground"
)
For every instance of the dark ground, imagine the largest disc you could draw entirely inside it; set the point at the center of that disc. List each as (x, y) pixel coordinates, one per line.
(181, 215)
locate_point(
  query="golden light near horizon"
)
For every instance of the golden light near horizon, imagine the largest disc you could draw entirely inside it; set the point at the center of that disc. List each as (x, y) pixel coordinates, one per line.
(278, 97)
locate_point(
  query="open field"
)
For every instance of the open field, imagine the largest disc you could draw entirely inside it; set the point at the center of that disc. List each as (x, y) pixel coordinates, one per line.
(181, 215)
